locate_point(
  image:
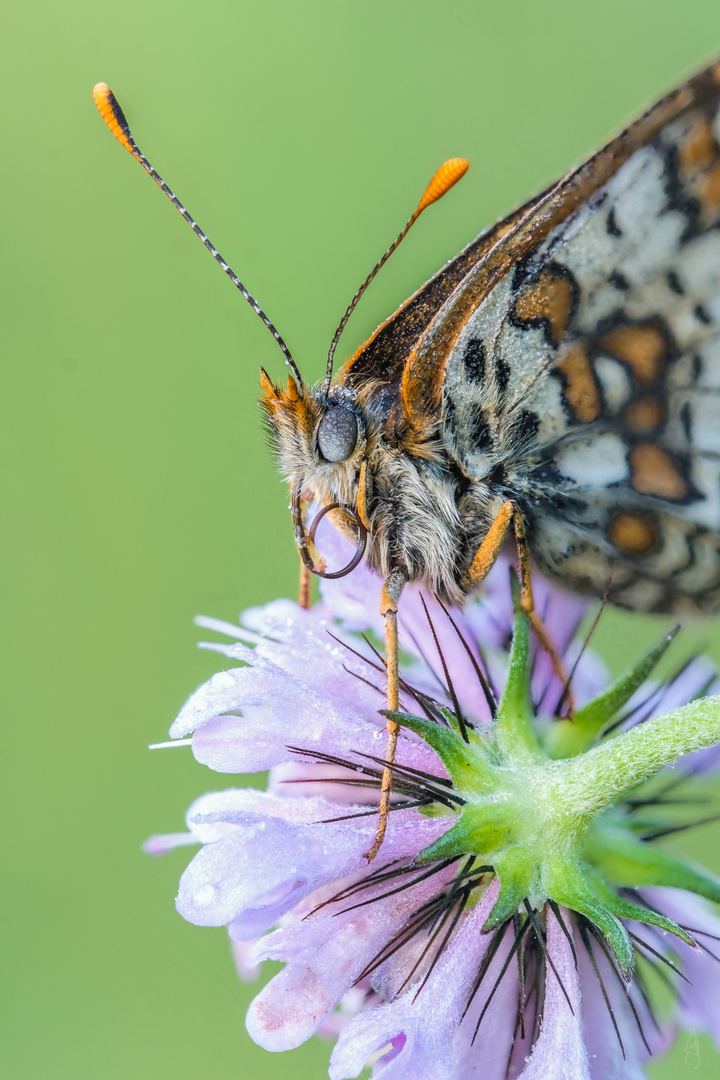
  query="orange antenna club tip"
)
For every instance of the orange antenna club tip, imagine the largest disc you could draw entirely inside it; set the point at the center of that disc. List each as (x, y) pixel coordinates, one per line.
(114, 117)
(447, 175)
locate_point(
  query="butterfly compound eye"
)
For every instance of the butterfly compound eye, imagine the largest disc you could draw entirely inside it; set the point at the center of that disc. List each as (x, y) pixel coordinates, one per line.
(338, 433)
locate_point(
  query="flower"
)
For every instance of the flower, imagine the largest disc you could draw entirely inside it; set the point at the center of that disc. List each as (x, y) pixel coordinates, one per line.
(518, 915)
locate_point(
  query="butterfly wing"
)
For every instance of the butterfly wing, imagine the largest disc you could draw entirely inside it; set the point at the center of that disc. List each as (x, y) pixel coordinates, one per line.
(381, 359)
(577, 364)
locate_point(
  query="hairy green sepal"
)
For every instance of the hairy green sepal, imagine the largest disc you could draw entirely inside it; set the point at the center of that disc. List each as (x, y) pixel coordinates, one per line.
(546, 813)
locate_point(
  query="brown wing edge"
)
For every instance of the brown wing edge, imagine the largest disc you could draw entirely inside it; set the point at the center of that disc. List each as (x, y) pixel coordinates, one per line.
(383, 356)
(424, 372)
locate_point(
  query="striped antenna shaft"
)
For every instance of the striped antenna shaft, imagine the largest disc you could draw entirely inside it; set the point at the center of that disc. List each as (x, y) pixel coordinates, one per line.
(446, 177)
(114, 117)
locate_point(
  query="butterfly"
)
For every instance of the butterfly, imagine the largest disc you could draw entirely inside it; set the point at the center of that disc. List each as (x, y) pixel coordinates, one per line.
(560, 378)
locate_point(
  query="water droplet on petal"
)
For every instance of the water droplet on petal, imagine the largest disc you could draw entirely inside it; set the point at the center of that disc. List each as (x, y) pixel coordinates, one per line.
(223, 681)
(204, 895)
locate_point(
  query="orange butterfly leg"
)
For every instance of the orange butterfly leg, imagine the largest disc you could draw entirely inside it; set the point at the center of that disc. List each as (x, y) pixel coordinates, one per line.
(528, 606)
(388, 609)
(484, 560)
(486, 555)
(305, 587)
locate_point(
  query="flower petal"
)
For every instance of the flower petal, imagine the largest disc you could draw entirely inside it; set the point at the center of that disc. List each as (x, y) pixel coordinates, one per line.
(219, 694)
(488, 1047)
(324, 956)
(354, 599)
(262, 869)
(559, 1053)
(420, 1026)
(246, 969)
(609, 1060)
(164, 842)
(302, 779)
(279, 710)
(304, 644)
(218, 813)
(700, 1002)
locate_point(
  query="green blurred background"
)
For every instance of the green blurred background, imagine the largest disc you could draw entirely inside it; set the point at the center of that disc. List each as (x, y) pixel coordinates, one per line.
(137, 489)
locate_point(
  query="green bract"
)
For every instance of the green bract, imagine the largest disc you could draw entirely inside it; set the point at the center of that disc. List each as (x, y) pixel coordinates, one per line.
(544, 801)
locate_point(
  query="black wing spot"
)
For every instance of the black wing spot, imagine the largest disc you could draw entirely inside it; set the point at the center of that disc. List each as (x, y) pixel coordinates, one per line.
(480, 435)
(547, 472)
(686, 420)
(697, 367)
(674, 283)
(677, 197)
(502, 374)
(450, 415)
(474, 360)
(701, 315)
(619, 281)
(611, 224)
(528, 426)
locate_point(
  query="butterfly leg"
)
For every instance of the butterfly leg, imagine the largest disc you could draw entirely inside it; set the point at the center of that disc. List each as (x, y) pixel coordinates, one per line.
(486, 555)
(388, 609)
(484, 559)
(305, 587)
(528, 606)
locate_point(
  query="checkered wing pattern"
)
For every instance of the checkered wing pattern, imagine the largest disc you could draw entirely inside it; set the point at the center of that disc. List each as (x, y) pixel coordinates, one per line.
(581, 364)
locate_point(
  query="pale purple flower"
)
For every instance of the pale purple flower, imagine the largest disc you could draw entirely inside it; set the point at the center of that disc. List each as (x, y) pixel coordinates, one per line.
(395, 959)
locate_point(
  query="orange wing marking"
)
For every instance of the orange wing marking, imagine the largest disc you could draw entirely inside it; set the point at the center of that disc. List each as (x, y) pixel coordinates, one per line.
(549, 301)
(699, 161)
(698, 149)
(581, 392)
(709, 187)
(424, 372)
(643, 347)
(644, 415)
(633, 534)
(653, 472)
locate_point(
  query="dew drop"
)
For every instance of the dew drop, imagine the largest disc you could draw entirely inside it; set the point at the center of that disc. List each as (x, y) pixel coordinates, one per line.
(204, 895)
(223, 681)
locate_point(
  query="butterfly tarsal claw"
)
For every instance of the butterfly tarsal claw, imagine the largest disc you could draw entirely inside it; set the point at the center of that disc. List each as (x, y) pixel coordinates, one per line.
(388, 609)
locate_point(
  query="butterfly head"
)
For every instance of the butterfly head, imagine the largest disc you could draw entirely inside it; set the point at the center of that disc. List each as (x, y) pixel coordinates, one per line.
(320, 437)
(324, 437)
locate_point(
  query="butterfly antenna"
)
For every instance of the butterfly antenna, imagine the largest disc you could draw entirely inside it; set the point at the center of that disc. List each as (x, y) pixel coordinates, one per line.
(446, 177)
(114, 117)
